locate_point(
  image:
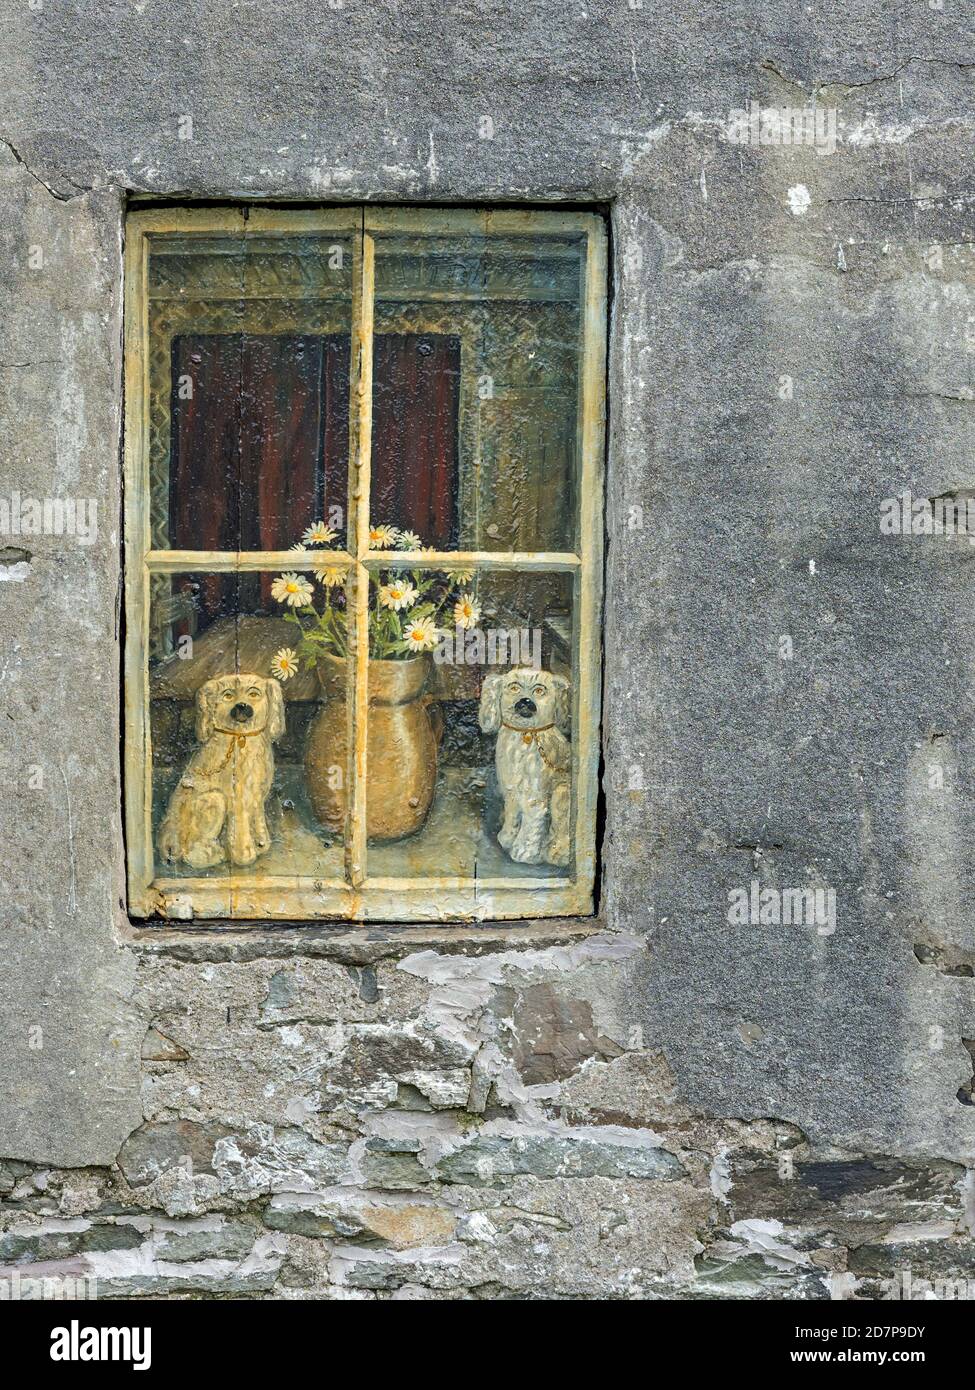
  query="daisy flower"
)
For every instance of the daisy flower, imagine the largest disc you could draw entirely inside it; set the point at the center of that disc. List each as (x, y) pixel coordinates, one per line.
(397, 594)
(460, 576)
(382, 537)
(319, 534)
(467, 611)
(420, 635)
(330, 576)
(298, 548)
(408, 540)
(284, 663)
(292, 589)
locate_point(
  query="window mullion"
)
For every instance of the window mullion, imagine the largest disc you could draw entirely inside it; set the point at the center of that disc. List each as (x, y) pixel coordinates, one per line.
(360, 453)
(586, 626)
(138, 746)
(241, 561)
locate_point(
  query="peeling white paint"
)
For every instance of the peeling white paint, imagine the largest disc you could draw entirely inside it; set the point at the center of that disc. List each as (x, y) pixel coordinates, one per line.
(911, 1231)
(768, 1239)
(799, 199)
(871, 131)
(721, 1174)
(433, 170)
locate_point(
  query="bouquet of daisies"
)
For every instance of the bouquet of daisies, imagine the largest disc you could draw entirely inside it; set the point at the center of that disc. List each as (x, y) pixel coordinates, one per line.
(409, 609)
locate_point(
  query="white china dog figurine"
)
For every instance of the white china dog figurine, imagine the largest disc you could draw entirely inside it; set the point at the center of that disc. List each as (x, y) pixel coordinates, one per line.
(529, 711)
(216, 810)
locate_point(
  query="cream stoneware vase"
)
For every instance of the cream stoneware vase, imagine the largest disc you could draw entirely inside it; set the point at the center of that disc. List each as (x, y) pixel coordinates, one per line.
(405, 727)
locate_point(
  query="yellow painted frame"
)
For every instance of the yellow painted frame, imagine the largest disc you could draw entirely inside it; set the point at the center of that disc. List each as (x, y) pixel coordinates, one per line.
(359, 897)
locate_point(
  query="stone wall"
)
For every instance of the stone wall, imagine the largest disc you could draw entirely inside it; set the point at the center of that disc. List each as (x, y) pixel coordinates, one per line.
(660, 1102)
(362, 1120)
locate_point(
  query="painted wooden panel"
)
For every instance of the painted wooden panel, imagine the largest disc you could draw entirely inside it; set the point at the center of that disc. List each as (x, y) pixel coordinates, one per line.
(378, 723)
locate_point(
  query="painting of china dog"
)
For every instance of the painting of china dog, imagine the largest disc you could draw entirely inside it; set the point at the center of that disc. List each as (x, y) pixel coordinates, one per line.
(529, 711)
(216, 811)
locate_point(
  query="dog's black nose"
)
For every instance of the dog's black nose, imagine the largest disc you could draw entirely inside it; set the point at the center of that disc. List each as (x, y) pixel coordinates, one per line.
(241, 713)
(525, 708)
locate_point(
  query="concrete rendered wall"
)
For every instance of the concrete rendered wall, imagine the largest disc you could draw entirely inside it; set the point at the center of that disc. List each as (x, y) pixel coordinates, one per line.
(662, 1103)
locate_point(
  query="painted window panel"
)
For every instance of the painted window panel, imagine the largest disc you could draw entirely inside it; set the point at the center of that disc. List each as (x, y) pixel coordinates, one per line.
(225, 727)
(516, 652)
(363, 542)
(249, 366)
(513, 307)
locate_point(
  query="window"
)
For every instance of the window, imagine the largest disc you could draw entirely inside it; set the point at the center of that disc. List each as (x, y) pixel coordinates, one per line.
(363, 562)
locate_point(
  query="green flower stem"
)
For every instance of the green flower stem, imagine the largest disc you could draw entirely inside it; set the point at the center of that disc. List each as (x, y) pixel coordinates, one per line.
(328, 630)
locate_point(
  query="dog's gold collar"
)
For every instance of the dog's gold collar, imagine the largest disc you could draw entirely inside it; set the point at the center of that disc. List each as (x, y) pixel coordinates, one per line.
(236, 741)
(530, 736)
(527, 735)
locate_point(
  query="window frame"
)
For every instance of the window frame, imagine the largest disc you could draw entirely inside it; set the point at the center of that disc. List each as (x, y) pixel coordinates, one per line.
(361, 898)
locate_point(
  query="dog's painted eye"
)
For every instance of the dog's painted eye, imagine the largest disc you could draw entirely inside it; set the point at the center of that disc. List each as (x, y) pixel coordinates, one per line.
(539, 690)
(513, 685)
(228, 695)
(254, 693)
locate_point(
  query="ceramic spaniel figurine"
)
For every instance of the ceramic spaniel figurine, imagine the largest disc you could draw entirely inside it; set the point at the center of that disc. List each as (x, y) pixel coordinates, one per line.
(529, 710)
(216, 811)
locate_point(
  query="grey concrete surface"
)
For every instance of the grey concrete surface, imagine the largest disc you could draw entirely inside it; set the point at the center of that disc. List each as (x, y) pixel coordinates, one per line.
(792, 341)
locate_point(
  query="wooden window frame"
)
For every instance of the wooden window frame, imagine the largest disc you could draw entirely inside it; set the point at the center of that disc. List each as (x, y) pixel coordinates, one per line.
(253, 898)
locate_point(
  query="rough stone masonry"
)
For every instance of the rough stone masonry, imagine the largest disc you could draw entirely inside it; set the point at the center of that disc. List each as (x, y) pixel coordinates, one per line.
(658, 1103)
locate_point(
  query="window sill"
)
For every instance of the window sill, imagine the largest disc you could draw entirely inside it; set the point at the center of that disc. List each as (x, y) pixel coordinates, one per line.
(348, 944)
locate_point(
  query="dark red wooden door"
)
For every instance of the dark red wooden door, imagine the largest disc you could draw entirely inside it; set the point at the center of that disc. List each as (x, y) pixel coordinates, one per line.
(259, 445)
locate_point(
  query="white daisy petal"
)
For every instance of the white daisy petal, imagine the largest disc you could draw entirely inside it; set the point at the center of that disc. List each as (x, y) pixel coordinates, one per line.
(293, 590)
(420, 635)
(467, 611)
(330, 576)
(382, 537)
(284, 664)
(319, 534)
(397, 594)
